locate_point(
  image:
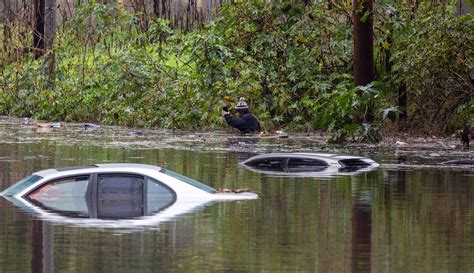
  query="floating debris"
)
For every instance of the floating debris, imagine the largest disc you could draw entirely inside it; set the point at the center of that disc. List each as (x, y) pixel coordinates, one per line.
(223, 190)
(44, 125)
(44, 129)
(90, 126)
(136, 133)
(459, 162)
(281, 134)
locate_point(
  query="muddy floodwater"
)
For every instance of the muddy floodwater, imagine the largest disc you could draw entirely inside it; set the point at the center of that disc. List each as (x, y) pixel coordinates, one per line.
(412, 214)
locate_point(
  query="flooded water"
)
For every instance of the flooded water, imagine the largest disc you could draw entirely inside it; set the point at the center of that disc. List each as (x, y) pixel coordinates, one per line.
(398, 218)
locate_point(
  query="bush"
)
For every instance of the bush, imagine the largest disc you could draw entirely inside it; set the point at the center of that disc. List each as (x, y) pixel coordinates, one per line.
(292, 61)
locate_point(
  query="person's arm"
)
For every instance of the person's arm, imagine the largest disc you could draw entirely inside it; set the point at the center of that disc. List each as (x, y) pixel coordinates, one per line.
(236, 123)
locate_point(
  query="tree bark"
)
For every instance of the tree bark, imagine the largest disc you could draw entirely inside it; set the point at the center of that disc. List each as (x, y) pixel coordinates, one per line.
(50, 24)
(402, 106)
(156, 8)
(49, 36)
(163, 9)
(363, 47)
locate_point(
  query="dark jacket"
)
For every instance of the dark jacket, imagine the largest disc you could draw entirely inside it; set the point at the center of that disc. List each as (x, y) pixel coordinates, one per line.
(247, 123)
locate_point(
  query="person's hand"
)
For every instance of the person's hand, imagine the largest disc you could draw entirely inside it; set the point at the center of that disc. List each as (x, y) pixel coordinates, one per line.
(224, 113)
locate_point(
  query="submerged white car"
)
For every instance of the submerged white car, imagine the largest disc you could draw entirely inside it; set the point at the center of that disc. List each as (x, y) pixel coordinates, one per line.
(116, 195)
(309, 164)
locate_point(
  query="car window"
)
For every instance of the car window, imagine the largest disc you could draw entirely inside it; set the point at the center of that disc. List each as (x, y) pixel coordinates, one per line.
(21, 185)
(158, 196)
(112, 185)
(352, 165)
(61, 188)
(306, 165)
(189, 180)
(65, 195)
(119, 196)
(353, 162)
(269, 164)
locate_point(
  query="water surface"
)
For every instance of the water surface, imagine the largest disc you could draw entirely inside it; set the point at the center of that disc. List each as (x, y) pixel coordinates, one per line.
(389, 220)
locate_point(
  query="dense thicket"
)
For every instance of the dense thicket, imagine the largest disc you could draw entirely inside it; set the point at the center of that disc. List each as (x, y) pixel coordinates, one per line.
(293, 62)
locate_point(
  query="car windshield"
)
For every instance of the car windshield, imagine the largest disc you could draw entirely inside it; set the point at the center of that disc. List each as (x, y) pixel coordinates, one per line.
(190, 181)
(21, 185)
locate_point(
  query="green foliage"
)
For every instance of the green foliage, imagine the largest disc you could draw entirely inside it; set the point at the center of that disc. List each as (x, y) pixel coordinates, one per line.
(109, 78)
(432, 53)
(292, 61)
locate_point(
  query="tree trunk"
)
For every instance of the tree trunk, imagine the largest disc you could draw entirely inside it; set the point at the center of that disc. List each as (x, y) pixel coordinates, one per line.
(363, 47)
(163, 9)
(49, 24)
(156, 8)
(402, 106)
(38, 31)
(49, 35)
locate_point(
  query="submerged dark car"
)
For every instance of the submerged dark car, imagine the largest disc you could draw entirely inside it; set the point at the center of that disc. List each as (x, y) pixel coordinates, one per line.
(309, 164)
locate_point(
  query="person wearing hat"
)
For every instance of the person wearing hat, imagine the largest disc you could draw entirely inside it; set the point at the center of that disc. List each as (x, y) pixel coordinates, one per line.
(247, 123)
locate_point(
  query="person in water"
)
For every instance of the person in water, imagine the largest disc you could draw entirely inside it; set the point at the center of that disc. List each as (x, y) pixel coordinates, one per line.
(246, 122)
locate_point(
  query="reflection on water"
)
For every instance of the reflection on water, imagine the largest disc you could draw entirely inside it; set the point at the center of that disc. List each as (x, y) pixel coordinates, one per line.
(361, 233)
(417, 220)
(42, 247)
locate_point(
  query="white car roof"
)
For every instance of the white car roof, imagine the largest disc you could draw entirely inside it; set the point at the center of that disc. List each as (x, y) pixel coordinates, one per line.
(99, 167)
(329, 156)
(321, 156)
(334, 163)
